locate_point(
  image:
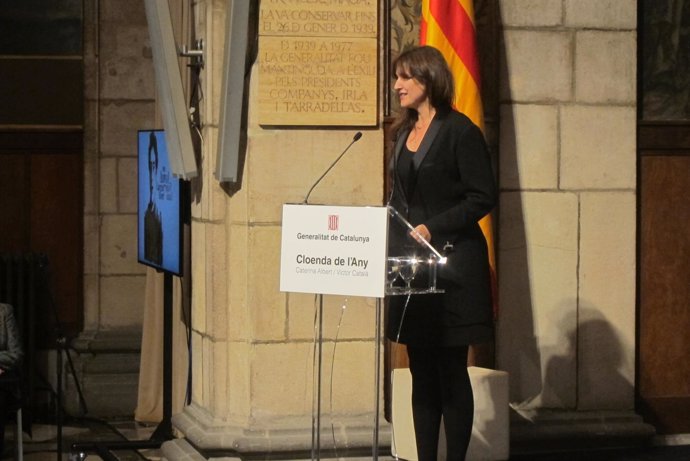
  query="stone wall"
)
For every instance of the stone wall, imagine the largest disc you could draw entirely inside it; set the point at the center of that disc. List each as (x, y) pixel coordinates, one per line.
(119, 100)
(566, 331)
(568, 203)
(566, 228)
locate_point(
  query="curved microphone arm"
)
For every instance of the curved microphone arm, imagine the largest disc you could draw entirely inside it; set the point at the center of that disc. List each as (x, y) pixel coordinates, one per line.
(354, 140)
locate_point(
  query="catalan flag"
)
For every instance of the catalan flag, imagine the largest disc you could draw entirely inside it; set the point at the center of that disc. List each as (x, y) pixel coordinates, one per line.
(449, 26)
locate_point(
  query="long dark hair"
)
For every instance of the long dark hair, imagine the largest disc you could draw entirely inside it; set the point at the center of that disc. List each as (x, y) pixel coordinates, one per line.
(428, 66)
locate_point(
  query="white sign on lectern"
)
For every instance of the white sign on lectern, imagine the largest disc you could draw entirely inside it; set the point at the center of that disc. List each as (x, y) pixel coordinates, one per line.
(337, 250)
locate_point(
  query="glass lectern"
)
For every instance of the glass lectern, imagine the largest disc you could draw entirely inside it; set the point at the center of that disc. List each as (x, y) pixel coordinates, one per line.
(412, 262)
(353, 251)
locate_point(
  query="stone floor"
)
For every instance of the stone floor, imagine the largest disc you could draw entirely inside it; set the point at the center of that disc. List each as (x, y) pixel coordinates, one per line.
(652, 453)
(41, 445)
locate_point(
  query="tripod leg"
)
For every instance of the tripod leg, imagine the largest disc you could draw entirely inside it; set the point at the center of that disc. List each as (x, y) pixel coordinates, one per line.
(82, 403)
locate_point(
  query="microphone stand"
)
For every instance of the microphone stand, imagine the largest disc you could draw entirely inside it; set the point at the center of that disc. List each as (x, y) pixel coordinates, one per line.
(316, 412)
(355, 138)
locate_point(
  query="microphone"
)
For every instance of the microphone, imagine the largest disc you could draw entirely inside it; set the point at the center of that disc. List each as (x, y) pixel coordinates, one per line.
(355, 138)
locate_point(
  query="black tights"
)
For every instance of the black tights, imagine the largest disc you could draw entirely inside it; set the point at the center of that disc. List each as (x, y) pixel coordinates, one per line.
(441, 387)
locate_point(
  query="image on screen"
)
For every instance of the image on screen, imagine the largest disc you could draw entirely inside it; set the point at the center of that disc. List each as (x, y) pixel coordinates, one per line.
(159, 224)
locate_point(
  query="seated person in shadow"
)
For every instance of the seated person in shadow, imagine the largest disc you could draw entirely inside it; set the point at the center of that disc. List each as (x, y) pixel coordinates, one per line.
(11, 355)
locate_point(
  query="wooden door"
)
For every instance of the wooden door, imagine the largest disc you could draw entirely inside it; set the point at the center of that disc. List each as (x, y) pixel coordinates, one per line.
(41, 211)
(41, 161)
(663, 368)
(664, 276)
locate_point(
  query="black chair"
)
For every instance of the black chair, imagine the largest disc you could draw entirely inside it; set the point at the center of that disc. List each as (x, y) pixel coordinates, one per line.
(15, 406)
(18, 428)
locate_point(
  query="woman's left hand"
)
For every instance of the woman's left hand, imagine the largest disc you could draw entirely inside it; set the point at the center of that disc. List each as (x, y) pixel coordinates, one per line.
(421, 232)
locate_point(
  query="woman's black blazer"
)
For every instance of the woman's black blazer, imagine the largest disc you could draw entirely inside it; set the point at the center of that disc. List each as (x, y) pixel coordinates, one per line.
(455, 188)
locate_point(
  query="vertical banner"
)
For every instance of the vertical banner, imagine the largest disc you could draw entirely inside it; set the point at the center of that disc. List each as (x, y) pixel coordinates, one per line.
(449, 26)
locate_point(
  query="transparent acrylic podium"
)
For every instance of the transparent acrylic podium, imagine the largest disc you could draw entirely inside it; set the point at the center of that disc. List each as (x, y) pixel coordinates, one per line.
(397, 264)
(412, 263)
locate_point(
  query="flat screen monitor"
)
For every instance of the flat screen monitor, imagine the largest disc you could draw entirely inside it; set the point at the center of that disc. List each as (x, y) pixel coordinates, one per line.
(159, 229)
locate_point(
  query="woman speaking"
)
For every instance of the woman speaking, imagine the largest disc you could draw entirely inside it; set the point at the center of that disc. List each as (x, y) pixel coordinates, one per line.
(443, 185)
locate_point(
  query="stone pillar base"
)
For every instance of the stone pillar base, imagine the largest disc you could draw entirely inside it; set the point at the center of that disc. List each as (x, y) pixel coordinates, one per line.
(289, 438)
(536, 431)
(107, 368)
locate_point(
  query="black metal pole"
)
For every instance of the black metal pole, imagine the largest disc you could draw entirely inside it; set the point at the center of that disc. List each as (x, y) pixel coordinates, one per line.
(58, 407)
(164, 429)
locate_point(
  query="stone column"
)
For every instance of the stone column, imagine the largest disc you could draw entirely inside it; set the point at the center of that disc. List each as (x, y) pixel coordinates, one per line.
(252, 345)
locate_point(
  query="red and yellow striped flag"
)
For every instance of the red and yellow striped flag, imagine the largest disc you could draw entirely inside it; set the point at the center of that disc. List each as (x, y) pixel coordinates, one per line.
(448, 25)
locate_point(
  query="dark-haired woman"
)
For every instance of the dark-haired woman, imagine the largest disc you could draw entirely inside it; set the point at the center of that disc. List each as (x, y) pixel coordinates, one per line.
(443, 185)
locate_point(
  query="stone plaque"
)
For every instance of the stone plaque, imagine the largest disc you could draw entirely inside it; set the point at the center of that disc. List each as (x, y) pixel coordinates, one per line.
(318, 62)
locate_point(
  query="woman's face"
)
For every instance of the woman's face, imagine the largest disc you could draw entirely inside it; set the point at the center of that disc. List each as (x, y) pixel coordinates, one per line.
(410, 91)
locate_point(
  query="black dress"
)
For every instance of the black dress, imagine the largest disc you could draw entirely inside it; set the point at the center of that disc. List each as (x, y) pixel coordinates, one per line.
(448, 185)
